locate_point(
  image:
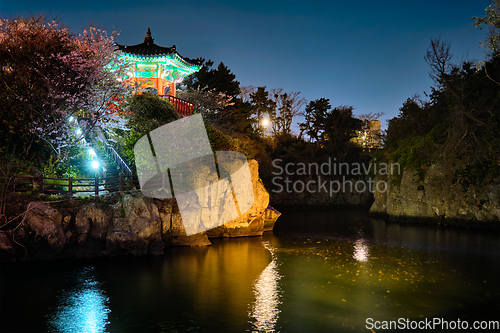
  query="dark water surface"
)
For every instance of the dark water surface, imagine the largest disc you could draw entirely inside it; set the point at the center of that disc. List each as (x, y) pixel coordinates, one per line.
(319, 271)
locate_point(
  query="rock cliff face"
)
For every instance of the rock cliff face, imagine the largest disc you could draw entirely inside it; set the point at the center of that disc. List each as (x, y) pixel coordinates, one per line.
(437, 198)
(121, 224)
(352, 192)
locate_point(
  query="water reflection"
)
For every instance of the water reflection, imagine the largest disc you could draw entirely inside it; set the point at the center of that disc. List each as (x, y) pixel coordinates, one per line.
(311, 278)
(361, 251)
(266, 289)
(82, 308)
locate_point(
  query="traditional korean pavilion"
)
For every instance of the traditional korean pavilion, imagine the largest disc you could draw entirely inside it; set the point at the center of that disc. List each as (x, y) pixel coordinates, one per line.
(158, 67)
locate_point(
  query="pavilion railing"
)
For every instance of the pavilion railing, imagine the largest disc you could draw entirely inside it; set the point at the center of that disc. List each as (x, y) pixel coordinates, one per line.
(184, 108)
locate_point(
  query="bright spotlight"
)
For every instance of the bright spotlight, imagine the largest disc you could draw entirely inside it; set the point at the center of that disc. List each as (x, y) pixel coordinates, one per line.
(95, 164)
(265, 122)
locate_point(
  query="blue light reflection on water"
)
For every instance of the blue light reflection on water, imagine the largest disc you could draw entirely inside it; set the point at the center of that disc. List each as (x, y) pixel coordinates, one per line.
(83, 307)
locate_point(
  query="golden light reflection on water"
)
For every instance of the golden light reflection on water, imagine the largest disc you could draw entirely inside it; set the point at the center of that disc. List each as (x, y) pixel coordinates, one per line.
(82, 308)
(265, 311)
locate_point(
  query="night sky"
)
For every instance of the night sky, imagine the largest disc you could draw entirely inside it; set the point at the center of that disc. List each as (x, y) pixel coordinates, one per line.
(367, 54)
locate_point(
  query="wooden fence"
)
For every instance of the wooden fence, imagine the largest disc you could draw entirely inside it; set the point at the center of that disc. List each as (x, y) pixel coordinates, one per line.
(70, 186)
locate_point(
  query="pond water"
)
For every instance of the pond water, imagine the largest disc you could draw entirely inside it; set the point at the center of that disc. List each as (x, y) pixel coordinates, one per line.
(319, 271)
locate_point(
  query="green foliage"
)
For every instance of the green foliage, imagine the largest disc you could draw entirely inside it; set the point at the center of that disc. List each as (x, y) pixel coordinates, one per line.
(287, 106)
(52, 197)
(86, 198)
(418, 151)
(492, 20)
(331, 128)
(415, 118)
(314, 114)
(339, 128)
(476, 173)
(126, 145)
(148, 112)
(220, 141)
(458, 127)
(220, 79)
(261, 103)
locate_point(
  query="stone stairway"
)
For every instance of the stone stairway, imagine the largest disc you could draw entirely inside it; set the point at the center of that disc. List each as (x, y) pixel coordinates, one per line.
(109, 167)
(109, 170)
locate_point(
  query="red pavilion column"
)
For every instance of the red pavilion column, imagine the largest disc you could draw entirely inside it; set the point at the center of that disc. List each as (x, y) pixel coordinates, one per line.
(159, 86)
(172, 89)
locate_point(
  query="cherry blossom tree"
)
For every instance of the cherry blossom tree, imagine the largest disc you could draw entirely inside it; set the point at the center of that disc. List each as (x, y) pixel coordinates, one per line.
(49, 76)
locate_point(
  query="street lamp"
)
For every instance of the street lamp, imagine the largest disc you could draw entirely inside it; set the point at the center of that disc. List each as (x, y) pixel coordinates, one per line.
(95, 165)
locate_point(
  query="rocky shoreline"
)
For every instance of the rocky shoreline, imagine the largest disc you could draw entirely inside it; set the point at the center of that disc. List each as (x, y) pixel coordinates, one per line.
(437, 199)
(120, 224)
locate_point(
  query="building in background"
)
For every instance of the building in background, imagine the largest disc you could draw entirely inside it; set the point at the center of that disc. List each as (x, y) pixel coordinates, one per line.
(370, 137)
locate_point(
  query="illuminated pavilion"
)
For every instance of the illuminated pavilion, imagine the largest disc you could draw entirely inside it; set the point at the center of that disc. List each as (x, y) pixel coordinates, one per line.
(158, 67)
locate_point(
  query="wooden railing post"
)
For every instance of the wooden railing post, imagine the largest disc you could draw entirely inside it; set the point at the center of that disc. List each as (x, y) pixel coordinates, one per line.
(96, 186)
(121, 182)
(70, 186)
(41, 184)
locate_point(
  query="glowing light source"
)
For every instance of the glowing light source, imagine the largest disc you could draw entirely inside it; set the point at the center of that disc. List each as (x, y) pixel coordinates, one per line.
(265, 122)
(95, 164)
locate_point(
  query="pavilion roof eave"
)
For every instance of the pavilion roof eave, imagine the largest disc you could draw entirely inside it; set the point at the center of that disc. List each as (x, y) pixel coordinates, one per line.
(174, 58)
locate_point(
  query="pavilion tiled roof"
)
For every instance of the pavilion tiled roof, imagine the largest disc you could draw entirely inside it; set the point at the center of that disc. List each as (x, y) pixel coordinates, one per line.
(149, 49)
